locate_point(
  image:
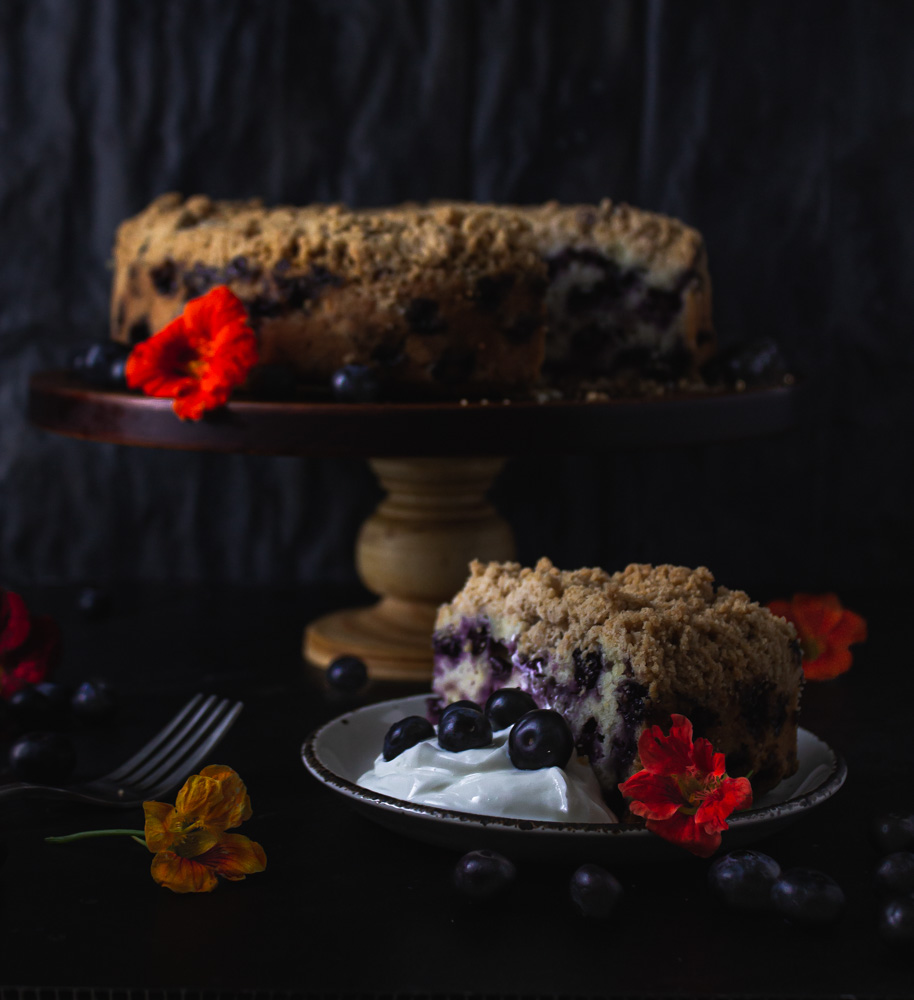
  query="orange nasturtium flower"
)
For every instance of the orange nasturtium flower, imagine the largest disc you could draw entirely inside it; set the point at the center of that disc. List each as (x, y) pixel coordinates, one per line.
(684, 792)
(189, 840)
(199, 357)
(826, 630)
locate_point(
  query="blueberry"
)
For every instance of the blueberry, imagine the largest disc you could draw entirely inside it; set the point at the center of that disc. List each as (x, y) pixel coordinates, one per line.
(483, 874)
(92, 602)
(464, 728)
(807, 896)
(34, 709)
(347, 673)
(896, 922)
(595, 891)
(101, 364)
(405, 734)
(356, 384)
(893, 832)
(895, 873)
(506, 705)
(42, 758)
(93, 701)
(540, 739)
(743, 879)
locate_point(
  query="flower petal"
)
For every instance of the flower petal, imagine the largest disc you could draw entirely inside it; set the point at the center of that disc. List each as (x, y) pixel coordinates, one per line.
(730, 795)
(234, 857)
(831, 664)
(15, 621)
(653, 796)
(209, 313)
(670, 754)
(157, 830)
(182, 874)
(236, 803)
(684, 831)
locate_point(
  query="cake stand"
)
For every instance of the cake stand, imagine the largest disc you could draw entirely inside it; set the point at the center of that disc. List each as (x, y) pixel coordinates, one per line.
(435, 461)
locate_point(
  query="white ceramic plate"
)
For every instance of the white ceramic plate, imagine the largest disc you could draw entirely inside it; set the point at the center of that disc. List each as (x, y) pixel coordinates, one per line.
(342, 750)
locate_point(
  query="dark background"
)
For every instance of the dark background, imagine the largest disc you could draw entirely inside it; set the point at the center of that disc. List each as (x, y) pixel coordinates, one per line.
(784, 131)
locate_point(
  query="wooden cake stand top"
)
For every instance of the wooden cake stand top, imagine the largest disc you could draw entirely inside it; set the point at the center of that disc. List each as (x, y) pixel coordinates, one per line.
(60, 403)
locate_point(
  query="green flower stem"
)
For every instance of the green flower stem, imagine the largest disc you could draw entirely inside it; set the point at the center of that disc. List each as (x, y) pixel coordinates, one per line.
(136, 834)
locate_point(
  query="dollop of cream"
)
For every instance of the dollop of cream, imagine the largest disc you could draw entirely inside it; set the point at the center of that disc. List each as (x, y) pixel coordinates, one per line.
(485, 782)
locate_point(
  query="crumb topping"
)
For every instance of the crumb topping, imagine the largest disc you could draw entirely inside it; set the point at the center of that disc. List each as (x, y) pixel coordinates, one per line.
(409, 238)
(671, 622)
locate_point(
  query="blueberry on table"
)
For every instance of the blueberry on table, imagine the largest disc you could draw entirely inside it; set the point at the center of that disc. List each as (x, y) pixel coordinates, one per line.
(541, 738)
(464, 728)
(347, 673)
(32, 708)
(594, 891)
(893, 832)
(91, 602)
(405, 734)
(483, 874)
(101, 364)
(93, 701)
(506, 705)
(42, 758)
(743, 879)
(356, 384)
(896, 922)
(895, 873)
(807, 896)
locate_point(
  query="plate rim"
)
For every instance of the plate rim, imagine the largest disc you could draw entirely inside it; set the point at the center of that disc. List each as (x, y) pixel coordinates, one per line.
(824, 790)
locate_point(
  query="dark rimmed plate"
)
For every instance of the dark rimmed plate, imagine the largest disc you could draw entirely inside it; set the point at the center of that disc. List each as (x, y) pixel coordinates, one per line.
(342, 750)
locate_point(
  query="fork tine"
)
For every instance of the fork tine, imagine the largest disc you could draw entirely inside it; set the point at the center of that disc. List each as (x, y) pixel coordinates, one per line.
(146, 751)
(186, 733)
(186, 758)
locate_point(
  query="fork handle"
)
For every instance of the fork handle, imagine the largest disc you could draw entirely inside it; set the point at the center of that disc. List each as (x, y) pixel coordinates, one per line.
(20, 788)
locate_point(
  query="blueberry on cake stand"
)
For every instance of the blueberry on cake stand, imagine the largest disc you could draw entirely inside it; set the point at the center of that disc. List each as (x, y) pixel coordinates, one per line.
(436, 462)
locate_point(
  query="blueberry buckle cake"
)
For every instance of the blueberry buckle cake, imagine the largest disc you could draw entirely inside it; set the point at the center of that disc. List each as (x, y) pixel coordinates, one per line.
(614, 653)
(443, 300)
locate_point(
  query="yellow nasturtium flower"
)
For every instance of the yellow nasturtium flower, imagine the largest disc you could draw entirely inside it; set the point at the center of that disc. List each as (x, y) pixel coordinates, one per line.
(189, 840)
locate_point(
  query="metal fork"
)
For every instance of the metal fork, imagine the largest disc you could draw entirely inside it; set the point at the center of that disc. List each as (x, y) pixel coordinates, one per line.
(164, 762)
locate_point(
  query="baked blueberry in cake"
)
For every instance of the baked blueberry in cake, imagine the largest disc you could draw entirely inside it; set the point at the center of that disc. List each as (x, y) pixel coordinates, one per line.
(617, 652)
(441, 301)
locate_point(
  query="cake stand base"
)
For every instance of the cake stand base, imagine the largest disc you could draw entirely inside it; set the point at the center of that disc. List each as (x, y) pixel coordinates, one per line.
(413, 552)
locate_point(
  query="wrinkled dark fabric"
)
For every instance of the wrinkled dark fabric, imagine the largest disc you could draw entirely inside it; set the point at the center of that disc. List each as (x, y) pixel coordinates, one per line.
(782, 130)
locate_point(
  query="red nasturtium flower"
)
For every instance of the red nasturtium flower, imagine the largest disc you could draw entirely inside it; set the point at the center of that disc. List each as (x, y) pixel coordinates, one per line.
(189, 840)
(684, 792)
(199, 357)
(826, 630)
(29, 645)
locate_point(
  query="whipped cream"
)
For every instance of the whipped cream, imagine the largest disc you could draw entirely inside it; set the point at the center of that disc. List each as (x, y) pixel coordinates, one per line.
(484, 781)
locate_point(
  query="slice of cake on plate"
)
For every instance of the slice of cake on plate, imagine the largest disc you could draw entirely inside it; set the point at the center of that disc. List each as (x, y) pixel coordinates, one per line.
(617, 652)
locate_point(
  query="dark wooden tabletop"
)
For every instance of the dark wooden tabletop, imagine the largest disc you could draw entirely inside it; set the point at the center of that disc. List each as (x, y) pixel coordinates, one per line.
(347, 908)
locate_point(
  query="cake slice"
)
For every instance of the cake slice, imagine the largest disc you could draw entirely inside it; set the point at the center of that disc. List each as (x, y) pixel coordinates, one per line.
(617, 652)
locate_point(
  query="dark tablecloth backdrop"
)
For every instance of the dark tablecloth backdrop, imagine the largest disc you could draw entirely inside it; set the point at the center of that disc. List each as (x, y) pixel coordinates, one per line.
(782, 130)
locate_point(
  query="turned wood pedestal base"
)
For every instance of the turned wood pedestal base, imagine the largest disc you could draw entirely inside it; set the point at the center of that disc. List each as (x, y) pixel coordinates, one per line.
(413, 552)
